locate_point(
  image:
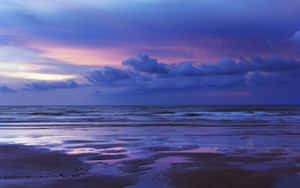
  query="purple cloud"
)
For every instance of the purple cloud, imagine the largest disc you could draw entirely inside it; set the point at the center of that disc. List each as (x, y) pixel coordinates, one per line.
(144, 75)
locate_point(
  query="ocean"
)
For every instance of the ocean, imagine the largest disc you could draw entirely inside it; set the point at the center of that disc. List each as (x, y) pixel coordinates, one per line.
(149, 115)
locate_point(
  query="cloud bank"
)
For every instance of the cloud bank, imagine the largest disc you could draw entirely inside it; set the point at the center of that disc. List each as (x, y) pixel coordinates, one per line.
(145, 80)
(145, 74)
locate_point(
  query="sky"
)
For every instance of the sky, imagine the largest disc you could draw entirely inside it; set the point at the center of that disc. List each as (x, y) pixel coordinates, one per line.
(149, 52)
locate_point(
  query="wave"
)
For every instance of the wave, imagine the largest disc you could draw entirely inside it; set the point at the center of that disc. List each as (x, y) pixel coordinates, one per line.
(193, 114)
(164, 112)
(152, 114)
(48, 113)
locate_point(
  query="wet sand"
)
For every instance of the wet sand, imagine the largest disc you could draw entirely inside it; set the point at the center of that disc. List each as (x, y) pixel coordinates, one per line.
(19, 161)
(24, 166)
(215, 171)
(168, 157)
(29, 167)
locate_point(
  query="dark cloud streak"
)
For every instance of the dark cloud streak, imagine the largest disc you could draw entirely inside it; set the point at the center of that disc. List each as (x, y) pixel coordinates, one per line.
(46, 86)
(5, 89)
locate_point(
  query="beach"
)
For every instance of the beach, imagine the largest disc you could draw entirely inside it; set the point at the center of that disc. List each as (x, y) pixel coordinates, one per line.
(149, 94)
(37, 152)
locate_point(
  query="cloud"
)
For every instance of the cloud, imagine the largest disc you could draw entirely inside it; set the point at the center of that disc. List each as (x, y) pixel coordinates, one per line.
(109, 74)
(144, 63)
(5, 89)
(197, 24)
(144, 74)
(120, 79)
(19, 65)
(296, 37)
(46, 86)
(261, 79)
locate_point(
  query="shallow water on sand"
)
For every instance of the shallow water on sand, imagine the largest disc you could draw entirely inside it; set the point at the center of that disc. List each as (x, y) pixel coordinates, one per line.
(107, 148)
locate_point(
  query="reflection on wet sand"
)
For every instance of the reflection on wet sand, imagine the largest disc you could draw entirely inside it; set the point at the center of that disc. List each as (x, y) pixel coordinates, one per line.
(148, 157)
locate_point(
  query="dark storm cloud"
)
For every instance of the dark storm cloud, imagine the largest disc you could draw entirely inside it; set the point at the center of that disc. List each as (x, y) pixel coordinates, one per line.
(143, 63)
(146, 64)
(149, 75)
(109, 74)
(111, 77)
(255, 64)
